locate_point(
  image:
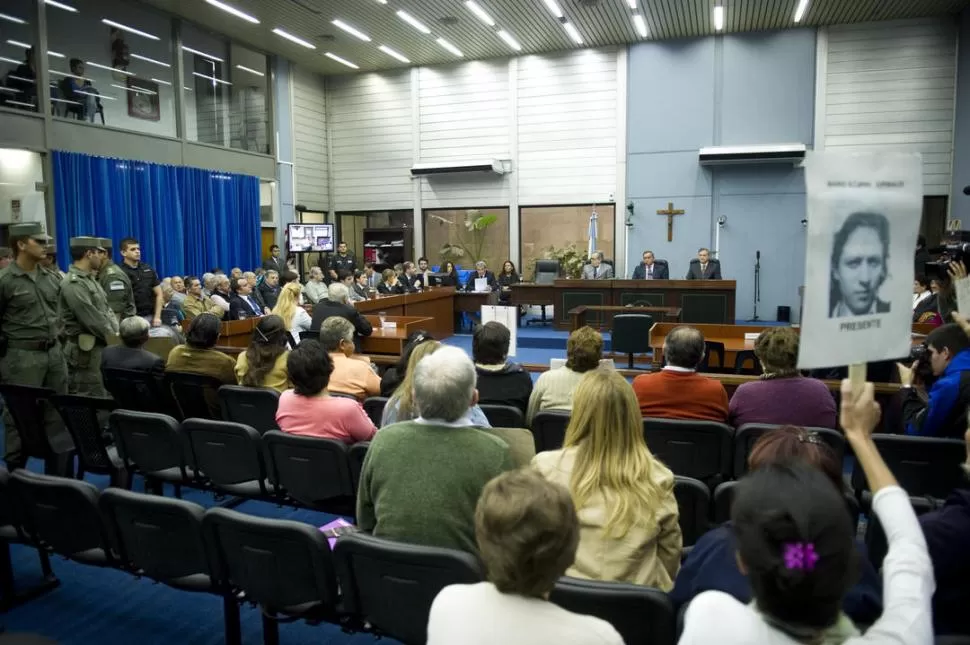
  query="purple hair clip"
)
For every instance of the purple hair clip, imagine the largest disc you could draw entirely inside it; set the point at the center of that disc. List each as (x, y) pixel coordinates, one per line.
(800, 555)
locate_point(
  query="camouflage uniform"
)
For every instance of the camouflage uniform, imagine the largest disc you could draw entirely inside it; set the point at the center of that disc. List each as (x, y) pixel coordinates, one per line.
(88, 322)
(30, 353)
(116, 285)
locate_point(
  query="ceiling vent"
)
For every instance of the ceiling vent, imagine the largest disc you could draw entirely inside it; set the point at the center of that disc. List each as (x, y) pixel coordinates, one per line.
(793, 153)
(489, 166)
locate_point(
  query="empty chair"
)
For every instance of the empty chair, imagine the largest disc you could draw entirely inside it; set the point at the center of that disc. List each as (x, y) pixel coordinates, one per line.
(355, 456)
(748, 434)
(312, 471)
(631, 335)
(374, 407)
(503, 416)
(161, 538)
(546, 273)
(924, 466)
(640, 614)
(151, 444)
(715, 349)
(136, 390)
(694, 502)
(82, 417)
(743, 357)
(227, 456)
(13, 532)
(254, 406)
(698, 449)
(63, 514)
(28, 407)
(391, 585)
(284, 566)
(549, 429)
(196, 395)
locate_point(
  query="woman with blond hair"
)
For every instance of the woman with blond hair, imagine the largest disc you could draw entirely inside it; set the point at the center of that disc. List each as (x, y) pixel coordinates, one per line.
(289, 309)
(400, 407)
(624, 496)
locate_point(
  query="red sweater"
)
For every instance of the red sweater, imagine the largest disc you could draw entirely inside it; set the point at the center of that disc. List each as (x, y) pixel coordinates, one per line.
(681, 395)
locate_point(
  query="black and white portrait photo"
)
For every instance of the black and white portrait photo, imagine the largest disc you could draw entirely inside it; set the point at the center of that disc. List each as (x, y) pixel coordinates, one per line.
(863, 211)
(860, 266)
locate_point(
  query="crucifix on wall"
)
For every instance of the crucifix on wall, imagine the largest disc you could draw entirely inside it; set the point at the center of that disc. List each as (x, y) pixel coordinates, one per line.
(670, 211)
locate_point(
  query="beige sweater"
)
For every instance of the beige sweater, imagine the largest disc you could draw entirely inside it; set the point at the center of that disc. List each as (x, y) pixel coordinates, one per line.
(649, 553)
(553, 391)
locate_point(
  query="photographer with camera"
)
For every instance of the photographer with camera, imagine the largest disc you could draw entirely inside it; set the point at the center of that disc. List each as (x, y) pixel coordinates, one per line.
(943, 413)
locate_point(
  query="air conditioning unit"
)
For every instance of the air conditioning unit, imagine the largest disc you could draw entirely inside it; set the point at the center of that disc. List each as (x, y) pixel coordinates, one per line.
(793, 153)
(491, 166)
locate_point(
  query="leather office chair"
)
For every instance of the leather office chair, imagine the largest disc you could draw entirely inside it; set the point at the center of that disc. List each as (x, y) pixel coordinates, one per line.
(255, 406)
(640, 614)
(631, 335)
(691, 448)
(151, 444)
(311, 471)
(546, 273)
(391, 585)
(694, 502)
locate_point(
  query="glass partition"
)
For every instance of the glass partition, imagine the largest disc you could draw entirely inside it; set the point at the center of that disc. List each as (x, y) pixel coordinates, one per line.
(207, 97)
(553, 230)
(111, 64)
(465, 236)
(20, 201)
(249, 115)
(18, 70)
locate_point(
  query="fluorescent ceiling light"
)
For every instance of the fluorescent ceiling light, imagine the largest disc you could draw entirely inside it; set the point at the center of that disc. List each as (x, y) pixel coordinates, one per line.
(633, 4)
(186, 88)
(512, 42)
(201, 53)
(130, 30)
(135, 89)
(350, 30)
(340, 60)
(718, 18)
(573, 32)
(476, 9)
(382, 1)
(211, 78)
(236, 12)
(554, 8)
(295, 39)
(110, 69)
(65, 74)
(54, 100)
(800, 10)
(22, 79)
(12, 61)
(641, 25)
(61, 5)
(17, 43)
(160, 81)
(14, 19)
(414, 22)
(390, 52)
(12, 102)
(149, 60)
(454, 50)
(96, 95)
(55, 54)
(250, 70)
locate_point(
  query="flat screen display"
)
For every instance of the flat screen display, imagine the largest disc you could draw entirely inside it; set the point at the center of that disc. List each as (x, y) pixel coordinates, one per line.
(305, 238)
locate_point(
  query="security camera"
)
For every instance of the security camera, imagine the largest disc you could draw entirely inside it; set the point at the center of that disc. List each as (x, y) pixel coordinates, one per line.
(804, 222)
(722, 220)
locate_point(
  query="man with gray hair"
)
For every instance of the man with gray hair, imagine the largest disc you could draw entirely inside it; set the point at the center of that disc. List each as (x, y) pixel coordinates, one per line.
(481, 271)
(336, 304)
(269, 288)
(597, 269)
(678, 391)
(315, 289)
(353, 374)
(131, 355)
(422, 478)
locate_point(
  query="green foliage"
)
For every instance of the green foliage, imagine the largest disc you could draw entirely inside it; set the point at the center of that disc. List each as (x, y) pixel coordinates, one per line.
(572, 259)
(473, 247)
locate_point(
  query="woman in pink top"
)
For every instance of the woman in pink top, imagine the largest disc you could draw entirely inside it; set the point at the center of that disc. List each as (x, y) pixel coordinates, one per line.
(309, 410)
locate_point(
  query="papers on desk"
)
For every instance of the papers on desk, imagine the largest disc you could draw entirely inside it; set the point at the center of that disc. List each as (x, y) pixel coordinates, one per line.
(481, 284)
(508, 316)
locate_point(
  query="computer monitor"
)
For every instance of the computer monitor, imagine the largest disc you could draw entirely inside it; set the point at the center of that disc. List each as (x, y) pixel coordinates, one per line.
(312, 238)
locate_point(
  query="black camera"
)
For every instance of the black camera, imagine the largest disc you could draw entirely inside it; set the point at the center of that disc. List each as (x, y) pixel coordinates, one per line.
(954, 248)
(923, 371)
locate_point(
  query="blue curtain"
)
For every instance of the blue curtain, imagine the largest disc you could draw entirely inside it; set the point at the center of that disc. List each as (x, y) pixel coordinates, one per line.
(187, 220)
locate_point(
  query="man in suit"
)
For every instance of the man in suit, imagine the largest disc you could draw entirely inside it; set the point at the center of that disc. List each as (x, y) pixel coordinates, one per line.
(409, 279)
(860, 251)
(703, 267)
(269, 289)
(373, 278)
(131, 355)
(596, 269)
(481, 271)
(650, 270)
(242, 304)
(423, 277)
(360, 285)
(337, 304)
(274, 262)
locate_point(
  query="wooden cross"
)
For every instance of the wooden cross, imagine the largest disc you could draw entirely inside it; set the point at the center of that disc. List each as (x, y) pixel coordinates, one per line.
(670, 212)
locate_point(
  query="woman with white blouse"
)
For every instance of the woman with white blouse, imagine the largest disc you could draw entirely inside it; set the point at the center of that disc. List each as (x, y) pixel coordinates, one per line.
(293, 314)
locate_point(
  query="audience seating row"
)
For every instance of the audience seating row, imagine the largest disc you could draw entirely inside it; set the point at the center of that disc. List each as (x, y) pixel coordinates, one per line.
(287, 568)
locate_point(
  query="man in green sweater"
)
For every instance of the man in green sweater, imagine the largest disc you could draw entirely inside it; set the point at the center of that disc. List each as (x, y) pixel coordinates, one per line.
(421, 479)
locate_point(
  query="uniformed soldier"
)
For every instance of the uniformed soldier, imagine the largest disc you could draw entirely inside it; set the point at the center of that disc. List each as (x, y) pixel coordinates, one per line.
(49, 263)
(88, 321)
(116, 285)
(30, 353)
(6, 257)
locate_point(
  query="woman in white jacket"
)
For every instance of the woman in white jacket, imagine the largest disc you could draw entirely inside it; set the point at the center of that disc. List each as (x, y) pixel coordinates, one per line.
(293, 314)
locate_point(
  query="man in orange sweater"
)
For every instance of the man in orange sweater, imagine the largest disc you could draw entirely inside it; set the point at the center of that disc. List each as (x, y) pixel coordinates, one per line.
(678, 391)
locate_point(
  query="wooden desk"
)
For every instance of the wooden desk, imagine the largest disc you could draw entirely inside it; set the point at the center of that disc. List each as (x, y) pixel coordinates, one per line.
(235, 333)
(527, 293)
(470, 302)
(436, 305)
(578, 315)
(391, 341)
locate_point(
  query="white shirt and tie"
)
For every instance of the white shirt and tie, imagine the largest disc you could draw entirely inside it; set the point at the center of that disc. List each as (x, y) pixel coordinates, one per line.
(649, 272)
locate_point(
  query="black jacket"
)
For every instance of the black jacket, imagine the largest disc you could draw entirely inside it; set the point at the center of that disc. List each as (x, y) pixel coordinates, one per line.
(398, 288)
(346, 263)
(128, 358)
(661, 271)
(410, 284)
(274, 264)
(511, 385)
(269, 294)
(713, 271)
(237, 305)
(326, 308)
(489, 276)
(927, 307)
(947, 533)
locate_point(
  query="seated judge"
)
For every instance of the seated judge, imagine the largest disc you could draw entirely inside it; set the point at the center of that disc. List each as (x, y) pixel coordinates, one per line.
(678, 391)
(704, 267)
(242, 303)
(481, 271)
(649, 269)
(508, 277)
(389, 283)
(860, 253)
(597, 269)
